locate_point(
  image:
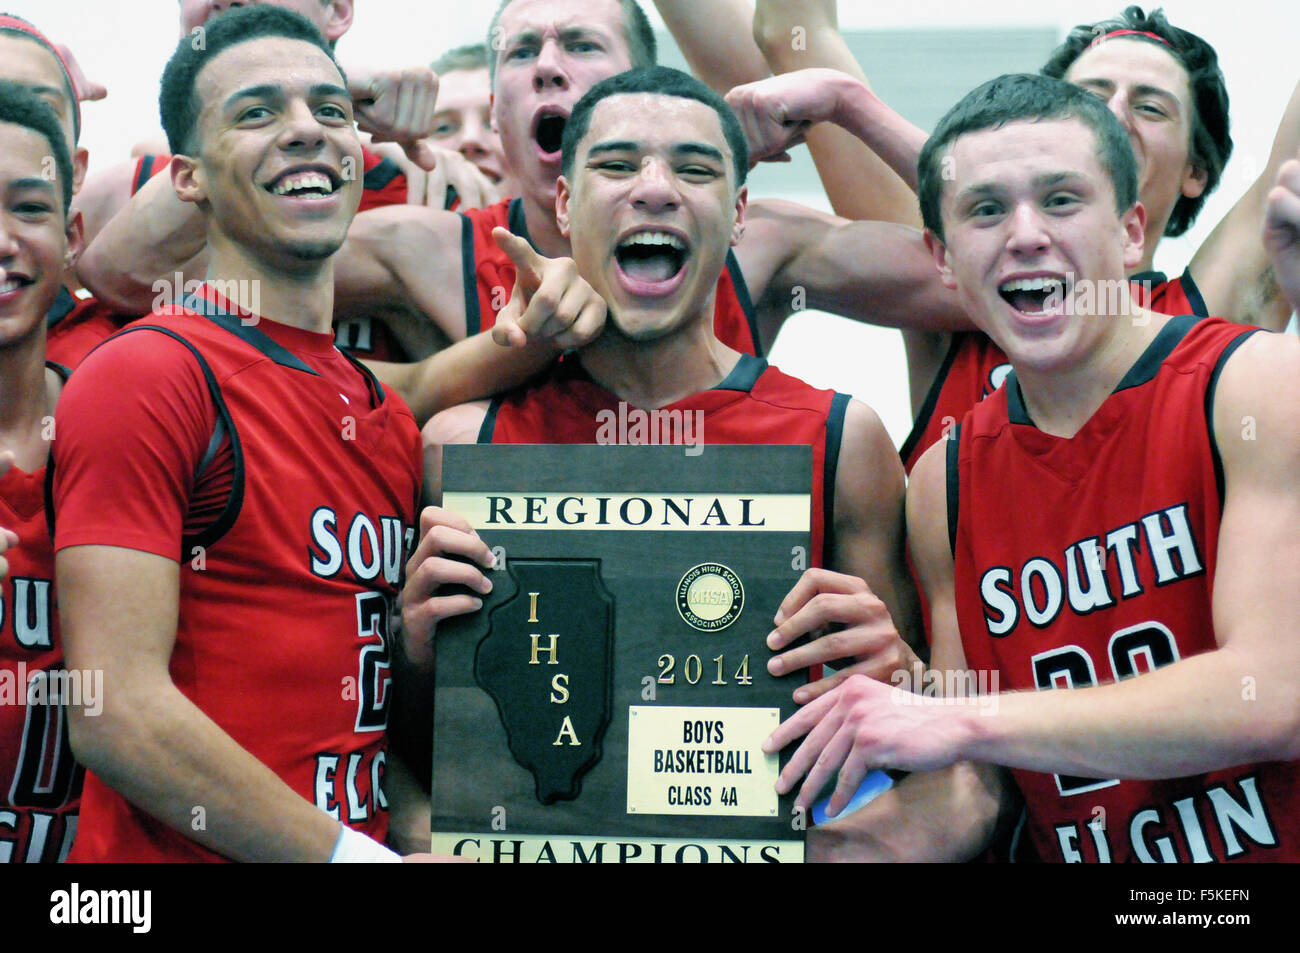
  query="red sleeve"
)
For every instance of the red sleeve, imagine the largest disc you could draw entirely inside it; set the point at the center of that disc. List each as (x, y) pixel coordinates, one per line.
(132, 426)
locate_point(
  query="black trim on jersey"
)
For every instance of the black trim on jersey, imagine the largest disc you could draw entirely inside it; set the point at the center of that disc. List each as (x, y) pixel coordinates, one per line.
(744, 375)
(235, 502)
(375, 388)
(517, 222)
(954, 485)
(62, 306)
(247, 333)
(746, 302)
(381, 175)
(931, 398)
(1210, 388)
(473, 319)
(144, 174)
(834, 438)
(47, 485)
(1148, 365)
(1143, 370)
(1193, 293)
(487, 430)
(1150, 279)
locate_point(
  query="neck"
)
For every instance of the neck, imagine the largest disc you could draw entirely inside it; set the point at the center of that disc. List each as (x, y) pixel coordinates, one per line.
(301, 296)
(653, 374)
(27, 399)
(1061, 400)
(539, 215)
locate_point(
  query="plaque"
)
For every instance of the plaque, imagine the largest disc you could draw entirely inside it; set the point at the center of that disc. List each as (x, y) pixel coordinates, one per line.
(609, 701)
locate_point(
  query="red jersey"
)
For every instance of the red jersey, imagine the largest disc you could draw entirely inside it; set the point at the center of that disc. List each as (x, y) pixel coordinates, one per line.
(40, 784)
(975, 367)
(755, 404)
(283, 480)
(384, 184)
(489, 276)
(1092, 559)
(81, 330)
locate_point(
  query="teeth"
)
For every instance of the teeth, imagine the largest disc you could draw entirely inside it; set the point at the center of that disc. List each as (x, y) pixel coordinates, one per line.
(10, 284)
(304, 180)
(1032, 284)
(655, 238)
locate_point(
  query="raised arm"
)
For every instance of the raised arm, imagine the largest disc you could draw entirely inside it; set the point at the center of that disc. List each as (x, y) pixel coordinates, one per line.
(715, 38)
(1282, 230)
(1232, 267)
(866, 176)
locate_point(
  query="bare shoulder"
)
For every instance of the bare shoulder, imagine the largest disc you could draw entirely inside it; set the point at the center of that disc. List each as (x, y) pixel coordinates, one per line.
(459, 424)
(869, 465)
(927, 514)
(1257, 407)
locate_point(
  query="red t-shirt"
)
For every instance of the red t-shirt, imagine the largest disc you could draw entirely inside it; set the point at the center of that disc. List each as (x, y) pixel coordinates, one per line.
(975, 367)
(384, 184)
(283, 480)
(1091, 559)
(75, 335)
(489, 277)
(40, 784)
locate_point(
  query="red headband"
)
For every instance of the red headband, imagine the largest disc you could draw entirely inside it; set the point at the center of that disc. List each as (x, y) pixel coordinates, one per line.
(1150, 36)
(22, 26)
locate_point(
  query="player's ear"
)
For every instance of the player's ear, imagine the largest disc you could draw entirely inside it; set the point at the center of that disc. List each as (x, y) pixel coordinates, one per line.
(1134, 222)
(939, 252)
(188, 179)
(339, 19)
(80, 162)
(75, 232)
(562, 195)
(1195, 179)
(742, 206)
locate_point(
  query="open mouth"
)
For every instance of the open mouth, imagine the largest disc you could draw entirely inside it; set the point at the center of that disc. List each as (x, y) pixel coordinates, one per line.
(1033, 295)
(548, 132)
(310, 183)
(12, 283)
(652, 257)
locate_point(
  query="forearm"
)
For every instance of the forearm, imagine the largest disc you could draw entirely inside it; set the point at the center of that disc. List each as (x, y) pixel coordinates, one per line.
(155, 236)
(867, 163)
(471, 369)
(714, 36)
(1200, 714)
(157, 749)
(932, 817)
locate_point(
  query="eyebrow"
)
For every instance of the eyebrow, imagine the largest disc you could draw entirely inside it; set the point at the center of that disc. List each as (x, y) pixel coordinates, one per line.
(568, 33)
(32, 182)
(682, 149)
(1042, 181)
(1142, 89)
(274, 91)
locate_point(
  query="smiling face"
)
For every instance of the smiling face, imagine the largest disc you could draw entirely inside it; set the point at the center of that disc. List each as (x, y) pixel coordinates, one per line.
(1147, 89)
(278, 164)
(652, 210)
(332, 19)
(551, 52)
(1031, 212)
(463, 122)
(34, 237)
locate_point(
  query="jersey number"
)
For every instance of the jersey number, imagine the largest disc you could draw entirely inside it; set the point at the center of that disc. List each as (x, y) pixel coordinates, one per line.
(375, 672)
(1138, 648)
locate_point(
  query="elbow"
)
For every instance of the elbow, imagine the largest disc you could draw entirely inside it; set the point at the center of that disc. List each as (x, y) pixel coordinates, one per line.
(123, 292)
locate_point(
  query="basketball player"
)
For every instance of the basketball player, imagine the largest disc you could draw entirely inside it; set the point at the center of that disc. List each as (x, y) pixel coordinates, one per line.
(436, 273)
(264, 490)
(1165, 86)
(1106, 525)
(653, 158)
(39, 782)
(463, 120)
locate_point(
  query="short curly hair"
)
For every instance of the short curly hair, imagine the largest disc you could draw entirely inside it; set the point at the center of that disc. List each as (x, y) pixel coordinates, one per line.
(20, 106)
(1211, 141)
(178, 103)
